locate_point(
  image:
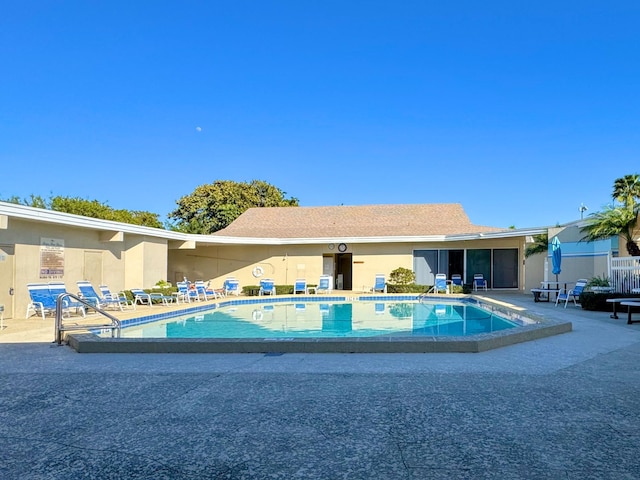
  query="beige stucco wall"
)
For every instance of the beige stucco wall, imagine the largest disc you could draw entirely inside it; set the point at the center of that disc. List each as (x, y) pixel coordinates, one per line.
(285, 263)
(88, 255)
(145, 260)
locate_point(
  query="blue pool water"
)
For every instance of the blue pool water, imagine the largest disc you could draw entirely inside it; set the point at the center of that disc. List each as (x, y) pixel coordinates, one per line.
(336, 319)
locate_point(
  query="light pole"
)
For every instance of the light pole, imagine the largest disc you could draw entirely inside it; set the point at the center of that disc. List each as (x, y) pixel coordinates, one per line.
(583, 208)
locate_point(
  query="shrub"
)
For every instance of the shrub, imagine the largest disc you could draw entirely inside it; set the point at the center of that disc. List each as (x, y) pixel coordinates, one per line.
(598, 301)
(598, 281)
(402, 276)
(410, 288)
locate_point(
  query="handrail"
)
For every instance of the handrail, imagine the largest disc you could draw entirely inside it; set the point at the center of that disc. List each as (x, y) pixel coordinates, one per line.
(114, 325)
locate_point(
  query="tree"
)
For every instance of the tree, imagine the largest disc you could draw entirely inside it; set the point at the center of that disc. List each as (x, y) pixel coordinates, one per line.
(90, 208)
(618, 220)
(33, 201)
(96, 209)
(611, 222)
(626, 190)
(212, 207)
(540, 245)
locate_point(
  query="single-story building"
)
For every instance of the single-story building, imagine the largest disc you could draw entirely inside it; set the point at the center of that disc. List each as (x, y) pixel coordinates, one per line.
(350, 243)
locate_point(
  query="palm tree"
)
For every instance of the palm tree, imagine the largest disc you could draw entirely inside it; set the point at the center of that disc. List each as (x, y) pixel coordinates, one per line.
(540, 245)
(618, 221)
(613, 221)
(626, 190)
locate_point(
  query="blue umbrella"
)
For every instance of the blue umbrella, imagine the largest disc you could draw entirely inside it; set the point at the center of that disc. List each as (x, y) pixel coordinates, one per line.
(556, 256)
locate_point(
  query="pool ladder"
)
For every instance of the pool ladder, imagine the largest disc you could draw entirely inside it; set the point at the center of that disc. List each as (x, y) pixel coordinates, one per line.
(113, 324)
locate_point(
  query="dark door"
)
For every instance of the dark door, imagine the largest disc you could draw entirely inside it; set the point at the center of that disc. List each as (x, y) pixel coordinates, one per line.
(344, 270)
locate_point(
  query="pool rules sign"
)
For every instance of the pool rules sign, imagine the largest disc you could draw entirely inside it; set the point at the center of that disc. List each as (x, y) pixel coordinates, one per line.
(51, 257)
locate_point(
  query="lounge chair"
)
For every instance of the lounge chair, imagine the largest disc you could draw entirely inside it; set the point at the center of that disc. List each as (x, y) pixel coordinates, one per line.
(324, 284)
(572, 294)
(143, 298)
(479, 282)
(441, 284)
(380, 284)
(187, 292)
(231, 286)
(120, 296)
(58, 288)
(42, 301)
(88, 293)
(300, 286)
(456, 279)
(267, 287)
(205, 292)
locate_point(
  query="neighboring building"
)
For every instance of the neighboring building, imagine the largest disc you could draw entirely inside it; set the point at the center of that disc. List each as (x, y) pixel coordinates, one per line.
(350, 243)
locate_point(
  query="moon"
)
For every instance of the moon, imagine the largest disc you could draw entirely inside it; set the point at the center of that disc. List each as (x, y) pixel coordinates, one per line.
(198, 129)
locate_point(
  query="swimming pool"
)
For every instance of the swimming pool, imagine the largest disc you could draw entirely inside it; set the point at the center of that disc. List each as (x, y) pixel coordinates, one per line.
(339, 319)
(411, 337)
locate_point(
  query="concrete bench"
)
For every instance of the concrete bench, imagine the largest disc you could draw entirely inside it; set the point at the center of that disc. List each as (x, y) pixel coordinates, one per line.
(616, 302)
(629, 306)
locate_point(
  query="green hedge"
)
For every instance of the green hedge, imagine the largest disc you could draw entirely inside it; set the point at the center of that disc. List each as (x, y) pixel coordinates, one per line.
(598, 301)
(252, 290)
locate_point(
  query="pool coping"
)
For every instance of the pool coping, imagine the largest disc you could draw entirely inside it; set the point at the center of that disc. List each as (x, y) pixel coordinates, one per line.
(544, 327)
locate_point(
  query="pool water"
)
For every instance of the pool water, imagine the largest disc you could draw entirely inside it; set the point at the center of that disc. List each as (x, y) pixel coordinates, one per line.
(338, 319)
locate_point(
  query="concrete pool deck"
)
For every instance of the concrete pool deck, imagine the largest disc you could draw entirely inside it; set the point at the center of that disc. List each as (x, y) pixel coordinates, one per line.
(565, 406)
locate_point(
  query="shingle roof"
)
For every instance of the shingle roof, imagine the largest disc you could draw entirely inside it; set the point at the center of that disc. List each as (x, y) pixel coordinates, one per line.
(353, 221)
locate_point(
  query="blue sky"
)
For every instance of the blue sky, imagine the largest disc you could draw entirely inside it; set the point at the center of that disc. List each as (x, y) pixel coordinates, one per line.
(520, 111)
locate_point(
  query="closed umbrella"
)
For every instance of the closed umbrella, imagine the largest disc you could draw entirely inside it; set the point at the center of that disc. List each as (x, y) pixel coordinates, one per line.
(556, 257)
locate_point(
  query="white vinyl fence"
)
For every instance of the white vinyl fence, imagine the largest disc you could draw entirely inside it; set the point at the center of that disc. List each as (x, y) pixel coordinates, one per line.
(625, 273)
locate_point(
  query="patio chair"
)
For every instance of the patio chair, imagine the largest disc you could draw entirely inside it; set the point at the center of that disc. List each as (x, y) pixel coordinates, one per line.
(205, 292)
(267, 287)
(42, 301)
(479, 282)
(120, 297)
(88, 293)
(572, 294)
(143, 298)
(324, 284)
(456, 279)
(441, 284)
(58, 288)
(380, 284)
(300, 286)
(231, 286)
(187, 292)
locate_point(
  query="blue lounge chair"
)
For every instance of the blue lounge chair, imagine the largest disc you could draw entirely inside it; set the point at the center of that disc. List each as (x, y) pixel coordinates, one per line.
(456, 279)
(380, 284)
(572, 294)
(205, 292)
(231, 286)
(267, 287)
(300, 286)
(143, 298)
(89, 294)
(58, 288)
(120, 296)
(441, 284)
(479, 282)
(186, 293)
(324, 284)
(42, 301)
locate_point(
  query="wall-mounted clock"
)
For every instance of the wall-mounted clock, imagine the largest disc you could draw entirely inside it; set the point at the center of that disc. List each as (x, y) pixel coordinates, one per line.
(342, 247)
